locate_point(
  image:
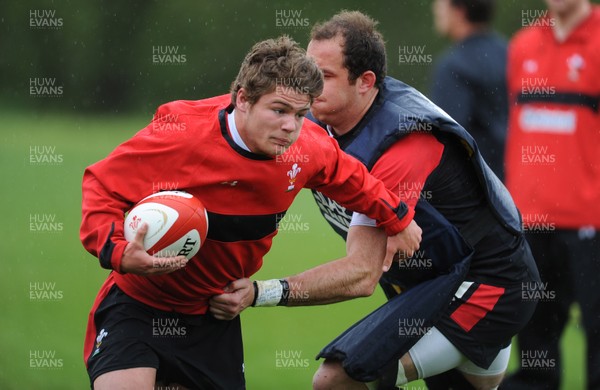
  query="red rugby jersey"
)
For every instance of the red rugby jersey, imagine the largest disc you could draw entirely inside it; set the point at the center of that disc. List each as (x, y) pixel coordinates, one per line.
(188, 147)
(552, 156)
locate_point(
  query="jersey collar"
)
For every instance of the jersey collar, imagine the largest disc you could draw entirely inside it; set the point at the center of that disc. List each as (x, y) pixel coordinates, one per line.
(240, 148)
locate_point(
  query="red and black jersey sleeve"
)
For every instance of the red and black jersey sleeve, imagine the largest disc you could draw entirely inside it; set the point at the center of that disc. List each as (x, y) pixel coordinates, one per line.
(405, 167)
(128, 174)
(347, 181)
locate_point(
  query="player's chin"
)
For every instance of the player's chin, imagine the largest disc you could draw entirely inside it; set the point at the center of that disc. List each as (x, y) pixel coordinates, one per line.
(279, 147)
(320, 110)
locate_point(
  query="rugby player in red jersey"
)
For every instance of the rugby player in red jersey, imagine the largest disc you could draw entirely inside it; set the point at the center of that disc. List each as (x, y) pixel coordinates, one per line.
(224, 151)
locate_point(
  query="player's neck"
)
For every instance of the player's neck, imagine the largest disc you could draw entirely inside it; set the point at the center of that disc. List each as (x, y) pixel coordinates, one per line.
(354, 114)
(566, 22)
(462, 31)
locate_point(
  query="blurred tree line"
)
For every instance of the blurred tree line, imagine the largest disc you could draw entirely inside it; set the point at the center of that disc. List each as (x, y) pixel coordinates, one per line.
(124, 56)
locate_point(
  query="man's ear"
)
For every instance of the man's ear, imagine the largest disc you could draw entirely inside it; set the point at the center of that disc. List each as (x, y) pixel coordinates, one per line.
(366, 81)
(241, 100)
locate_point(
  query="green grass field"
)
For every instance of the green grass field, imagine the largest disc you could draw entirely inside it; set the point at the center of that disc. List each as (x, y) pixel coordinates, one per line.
(49, 281)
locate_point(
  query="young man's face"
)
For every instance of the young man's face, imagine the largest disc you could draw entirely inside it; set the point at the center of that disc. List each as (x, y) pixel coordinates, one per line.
(441, 16)
(338, 93)
(273, 123)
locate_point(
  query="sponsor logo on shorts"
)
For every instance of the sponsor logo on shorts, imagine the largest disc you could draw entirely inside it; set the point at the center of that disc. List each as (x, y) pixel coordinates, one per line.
(101, 335)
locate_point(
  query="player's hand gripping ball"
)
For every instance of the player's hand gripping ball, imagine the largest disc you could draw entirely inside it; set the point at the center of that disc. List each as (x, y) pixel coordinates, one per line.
(177, 224)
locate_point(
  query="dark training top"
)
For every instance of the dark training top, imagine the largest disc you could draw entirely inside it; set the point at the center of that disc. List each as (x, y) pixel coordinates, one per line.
(469, 83)
(419, 151)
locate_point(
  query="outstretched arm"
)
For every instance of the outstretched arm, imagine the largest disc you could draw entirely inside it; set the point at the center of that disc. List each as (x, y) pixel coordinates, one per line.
(355, 275)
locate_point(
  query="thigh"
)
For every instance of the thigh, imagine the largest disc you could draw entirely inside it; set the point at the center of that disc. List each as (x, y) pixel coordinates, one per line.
(497, 368)
(120, 341)
(200, 352)
(433, 354)
(194, 351)
(131, 378)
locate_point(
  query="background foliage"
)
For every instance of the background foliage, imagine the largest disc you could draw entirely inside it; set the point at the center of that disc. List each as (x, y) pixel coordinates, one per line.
(102, 53)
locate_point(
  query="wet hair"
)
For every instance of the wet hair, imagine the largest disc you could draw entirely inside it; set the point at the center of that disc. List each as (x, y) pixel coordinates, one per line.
(275, 62)
(364, 47)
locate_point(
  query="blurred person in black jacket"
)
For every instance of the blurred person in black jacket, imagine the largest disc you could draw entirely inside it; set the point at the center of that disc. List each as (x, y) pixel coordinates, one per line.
(469, 80)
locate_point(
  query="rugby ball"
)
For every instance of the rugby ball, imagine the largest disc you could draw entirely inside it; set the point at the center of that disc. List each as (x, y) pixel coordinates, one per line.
(177, 224)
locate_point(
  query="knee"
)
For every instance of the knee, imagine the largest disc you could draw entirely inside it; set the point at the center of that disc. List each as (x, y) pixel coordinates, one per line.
(489, 382)
(329, 376)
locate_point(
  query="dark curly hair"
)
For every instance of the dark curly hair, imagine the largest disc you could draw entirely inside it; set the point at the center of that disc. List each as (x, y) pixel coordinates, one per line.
(364, 47)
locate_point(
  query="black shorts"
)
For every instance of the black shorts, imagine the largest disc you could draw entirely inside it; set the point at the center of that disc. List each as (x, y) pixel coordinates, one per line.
(484, 316)
(479, 319)
(484, 320)
(195, 351)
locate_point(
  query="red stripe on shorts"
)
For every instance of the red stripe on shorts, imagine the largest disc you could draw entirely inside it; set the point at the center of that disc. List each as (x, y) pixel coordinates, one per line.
(90, 334)
(477, 306)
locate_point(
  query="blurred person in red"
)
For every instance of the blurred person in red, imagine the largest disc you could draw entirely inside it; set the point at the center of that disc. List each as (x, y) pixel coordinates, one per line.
(553, 173)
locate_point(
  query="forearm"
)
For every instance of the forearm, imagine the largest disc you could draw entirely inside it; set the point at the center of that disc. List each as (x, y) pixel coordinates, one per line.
(335, 281)
(355, 275)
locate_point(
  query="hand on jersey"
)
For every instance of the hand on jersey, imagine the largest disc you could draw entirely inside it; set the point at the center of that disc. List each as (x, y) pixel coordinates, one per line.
(405, 244)
(237, 296)
(137, 261)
